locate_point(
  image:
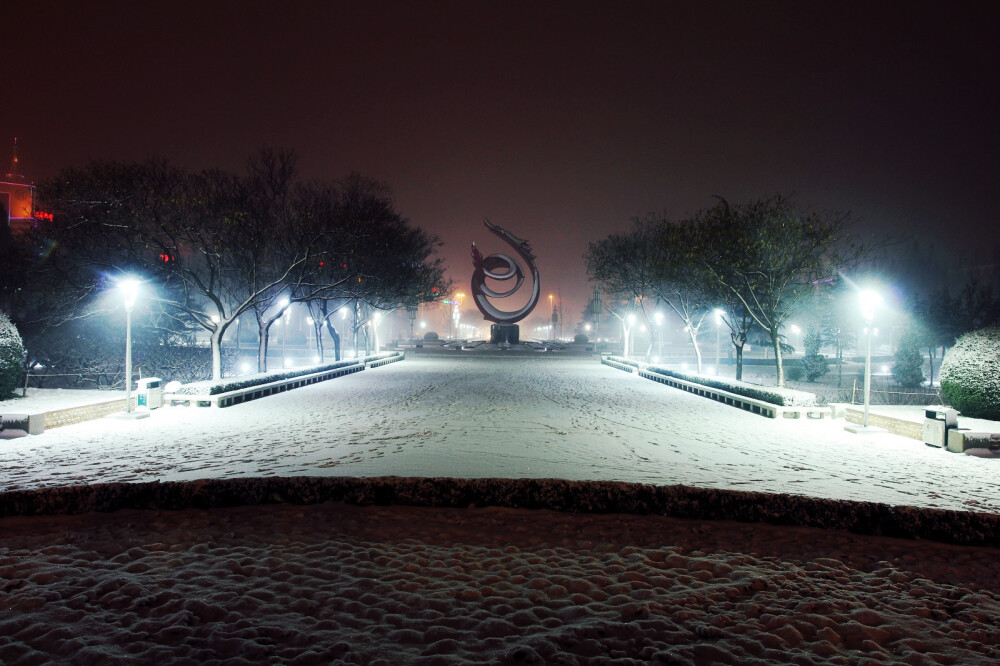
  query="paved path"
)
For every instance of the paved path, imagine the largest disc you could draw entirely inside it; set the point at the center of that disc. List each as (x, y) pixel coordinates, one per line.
(538, 416)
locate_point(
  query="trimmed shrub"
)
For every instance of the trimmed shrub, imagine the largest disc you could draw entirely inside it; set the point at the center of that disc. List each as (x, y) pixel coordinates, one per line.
(11, 357)
(430, 335)
(580, 338)
(246, 381)
(970, 374)
(783, 397)
(908, 370)
(813, 363)
(795, 372)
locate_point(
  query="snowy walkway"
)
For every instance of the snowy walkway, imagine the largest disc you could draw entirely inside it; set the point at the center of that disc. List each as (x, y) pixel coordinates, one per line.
(538, 416)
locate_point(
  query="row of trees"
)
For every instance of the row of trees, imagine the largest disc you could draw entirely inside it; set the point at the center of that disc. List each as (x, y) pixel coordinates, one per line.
(756, 261)
(213, 247)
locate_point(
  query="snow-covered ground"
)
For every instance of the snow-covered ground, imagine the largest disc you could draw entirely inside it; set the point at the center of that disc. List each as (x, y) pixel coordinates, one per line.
(487, 416)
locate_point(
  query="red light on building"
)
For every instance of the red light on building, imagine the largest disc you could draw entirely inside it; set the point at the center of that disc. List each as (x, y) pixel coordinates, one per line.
(41, 215)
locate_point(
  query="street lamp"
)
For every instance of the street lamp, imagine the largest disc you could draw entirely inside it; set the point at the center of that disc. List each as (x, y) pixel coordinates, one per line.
(284, 302)
(376, 318)
(627, 347)
(130, 289)
(658, 316)
(869, 300)
(718, 337)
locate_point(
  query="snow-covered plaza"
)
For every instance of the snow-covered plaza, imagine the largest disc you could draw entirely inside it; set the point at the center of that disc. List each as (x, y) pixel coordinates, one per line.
(468, 415)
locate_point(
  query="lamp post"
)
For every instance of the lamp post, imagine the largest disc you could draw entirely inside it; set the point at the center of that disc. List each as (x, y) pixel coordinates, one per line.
(658, 316)
(130, 288)
(718, 338)
(627, 347)
(284, 302)
(869, 301)
(376, 318)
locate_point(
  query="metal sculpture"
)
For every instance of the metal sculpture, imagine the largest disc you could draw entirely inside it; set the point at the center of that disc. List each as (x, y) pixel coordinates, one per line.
(503, 267)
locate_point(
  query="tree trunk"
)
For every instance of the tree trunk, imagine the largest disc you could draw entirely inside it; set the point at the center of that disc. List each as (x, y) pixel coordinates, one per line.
(930, 359)
(335, 335)
(262, 341)
(318, 332)
(697, 349)
(216, 353)
(739, 362)
(779, 371)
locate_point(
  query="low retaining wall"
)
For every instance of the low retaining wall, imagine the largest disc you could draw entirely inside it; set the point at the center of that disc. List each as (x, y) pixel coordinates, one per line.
(958, 527)
(894, 425)
(36, 424)
(398, 356)
(61, 417)
(616, 365)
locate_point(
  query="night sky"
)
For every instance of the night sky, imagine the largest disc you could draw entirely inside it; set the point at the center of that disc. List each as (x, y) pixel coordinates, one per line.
(558, 121)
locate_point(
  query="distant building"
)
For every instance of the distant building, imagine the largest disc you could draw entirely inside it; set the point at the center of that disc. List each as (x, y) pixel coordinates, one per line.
(17, 198)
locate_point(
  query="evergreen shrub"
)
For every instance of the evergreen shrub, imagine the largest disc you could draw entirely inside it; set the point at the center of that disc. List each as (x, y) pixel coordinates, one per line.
(11, 357)
(970, 374)
(814, 364)
(430, 335)
(908, 370)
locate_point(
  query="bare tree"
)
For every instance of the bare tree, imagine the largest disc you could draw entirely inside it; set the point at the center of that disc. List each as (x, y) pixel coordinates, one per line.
(766, 254)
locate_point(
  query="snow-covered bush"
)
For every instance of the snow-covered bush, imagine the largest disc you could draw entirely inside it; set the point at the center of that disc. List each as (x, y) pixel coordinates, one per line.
(430, 335)
(970, 374)
(782, 397)
(813, 363)
(11, 357)
(224, 385)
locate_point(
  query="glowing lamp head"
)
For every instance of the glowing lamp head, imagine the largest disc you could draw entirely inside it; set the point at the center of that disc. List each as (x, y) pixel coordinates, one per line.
(130, 288)
(870, 300)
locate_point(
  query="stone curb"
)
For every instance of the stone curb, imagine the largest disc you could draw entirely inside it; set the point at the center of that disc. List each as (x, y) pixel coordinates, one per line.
(956, 527)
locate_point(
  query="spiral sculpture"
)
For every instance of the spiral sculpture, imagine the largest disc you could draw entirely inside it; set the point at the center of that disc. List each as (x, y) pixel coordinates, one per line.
(503, 267)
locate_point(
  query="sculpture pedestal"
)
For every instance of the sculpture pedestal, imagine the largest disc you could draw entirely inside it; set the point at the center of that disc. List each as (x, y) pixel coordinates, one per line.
(504, 334)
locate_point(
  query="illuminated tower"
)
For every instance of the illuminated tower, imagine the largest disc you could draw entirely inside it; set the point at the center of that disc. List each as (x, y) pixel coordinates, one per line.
(14, 171)
(17, 197)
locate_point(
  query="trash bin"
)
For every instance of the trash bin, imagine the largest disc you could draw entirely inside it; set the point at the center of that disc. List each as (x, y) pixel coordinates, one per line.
(938, 420)
(150, 393)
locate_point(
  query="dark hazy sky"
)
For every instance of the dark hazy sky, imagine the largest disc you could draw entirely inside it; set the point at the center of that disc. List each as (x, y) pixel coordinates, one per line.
(559, 121)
